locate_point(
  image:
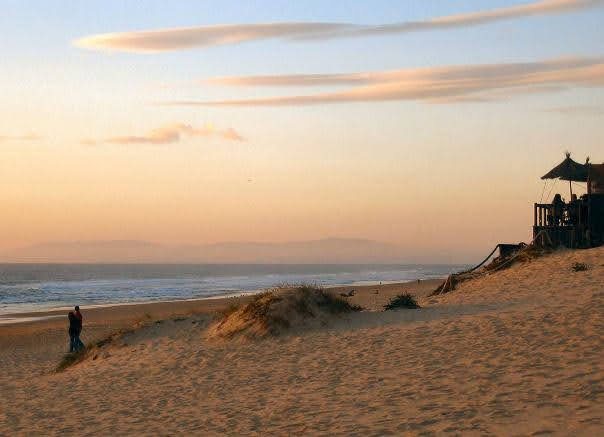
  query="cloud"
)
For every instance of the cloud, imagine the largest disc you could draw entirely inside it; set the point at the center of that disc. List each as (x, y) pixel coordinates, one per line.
(484, 71)
(499, 94)
(162, 135)
(231, 134)
(542, 7)
(164, 40)
(436, 85)
(311, 79)
(174, 133)
(28, 137)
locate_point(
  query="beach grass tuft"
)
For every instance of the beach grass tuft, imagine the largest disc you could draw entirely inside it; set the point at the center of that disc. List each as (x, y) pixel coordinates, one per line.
(403, 300)
(579, 267)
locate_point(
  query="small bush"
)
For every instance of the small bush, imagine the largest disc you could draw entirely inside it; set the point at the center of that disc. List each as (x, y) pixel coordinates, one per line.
(404, 300)
(580, 267)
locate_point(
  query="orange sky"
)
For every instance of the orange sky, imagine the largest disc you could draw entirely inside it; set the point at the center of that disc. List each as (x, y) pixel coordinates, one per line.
(433, 140)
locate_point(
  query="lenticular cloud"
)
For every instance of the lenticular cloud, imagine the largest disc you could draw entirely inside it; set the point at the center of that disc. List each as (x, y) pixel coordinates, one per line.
(172, 39)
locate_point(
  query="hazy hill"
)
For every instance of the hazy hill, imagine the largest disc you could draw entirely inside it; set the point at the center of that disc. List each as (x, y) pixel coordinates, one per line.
(332, 250)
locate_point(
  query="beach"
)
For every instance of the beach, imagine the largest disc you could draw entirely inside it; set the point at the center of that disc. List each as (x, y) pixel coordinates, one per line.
(516, 352)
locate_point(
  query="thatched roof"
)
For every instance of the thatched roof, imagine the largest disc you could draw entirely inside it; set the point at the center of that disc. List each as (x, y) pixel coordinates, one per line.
(568, 170)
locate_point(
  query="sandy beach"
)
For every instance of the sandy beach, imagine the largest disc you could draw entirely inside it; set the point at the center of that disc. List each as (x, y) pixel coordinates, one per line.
(201, 180)
(517, 352)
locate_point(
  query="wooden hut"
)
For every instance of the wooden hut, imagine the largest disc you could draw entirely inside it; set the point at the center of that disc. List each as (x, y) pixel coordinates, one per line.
(595, 192)
(579, 222)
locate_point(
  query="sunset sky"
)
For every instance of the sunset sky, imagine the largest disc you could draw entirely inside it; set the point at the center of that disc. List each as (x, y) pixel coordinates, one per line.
(426, 124)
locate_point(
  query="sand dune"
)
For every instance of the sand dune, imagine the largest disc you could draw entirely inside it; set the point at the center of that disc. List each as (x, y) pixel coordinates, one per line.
(519, 352)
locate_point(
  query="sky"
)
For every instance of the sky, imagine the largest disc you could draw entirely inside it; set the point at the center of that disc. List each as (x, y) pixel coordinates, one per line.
(426, 124)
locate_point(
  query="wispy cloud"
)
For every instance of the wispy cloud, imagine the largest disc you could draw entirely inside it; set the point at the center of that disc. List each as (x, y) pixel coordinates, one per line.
(480, 71)
(163, 40)
(436, 85)
(28, 137)
(542, 7)
(498, 94)
(173, 133)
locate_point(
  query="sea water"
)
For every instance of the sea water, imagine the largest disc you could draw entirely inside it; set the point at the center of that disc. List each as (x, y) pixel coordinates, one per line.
(40, 287)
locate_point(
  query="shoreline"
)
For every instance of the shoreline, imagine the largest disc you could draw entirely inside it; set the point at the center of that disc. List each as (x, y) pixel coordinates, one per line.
(102, 320)
(49, 313)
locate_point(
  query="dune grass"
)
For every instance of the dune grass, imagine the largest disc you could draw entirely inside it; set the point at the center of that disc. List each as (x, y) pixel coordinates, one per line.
(73, 358)
(275, 310)
(580, 267)
(93, 348)
(326, 301)
(403, 300)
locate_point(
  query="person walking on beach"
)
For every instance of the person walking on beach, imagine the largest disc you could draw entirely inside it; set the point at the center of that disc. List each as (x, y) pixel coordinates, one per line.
(75, 329)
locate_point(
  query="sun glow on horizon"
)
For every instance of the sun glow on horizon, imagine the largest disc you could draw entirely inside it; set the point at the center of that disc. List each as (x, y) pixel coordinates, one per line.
(417, 126)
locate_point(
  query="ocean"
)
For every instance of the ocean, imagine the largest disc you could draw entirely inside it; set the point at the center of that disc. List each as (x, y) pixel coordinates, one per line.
(40, 287)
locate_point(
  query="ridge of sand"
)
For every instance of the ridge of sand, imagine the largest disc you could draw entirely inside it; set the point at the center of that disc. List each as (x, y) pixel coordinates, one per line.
(519, 352)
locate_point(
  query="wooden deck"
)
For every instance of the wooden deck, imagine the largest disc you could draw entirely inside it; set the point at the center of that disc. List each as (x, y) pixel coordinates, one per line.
(565, 227)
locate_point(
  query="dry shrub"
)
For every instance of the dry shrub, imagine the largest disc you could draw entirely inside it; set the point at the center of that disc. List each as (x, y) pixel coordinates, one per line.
(404, 300)
(275, 311)
(579, 267)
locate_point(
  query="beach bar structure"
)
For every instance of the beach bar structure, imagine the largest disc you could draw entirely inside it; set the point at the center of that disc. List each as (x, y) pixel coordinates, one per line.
(578, 222)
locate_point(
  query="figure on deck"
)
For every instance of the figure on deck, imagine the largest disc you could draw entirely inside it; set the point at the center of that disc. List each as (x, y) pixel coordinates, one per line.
(557, 210)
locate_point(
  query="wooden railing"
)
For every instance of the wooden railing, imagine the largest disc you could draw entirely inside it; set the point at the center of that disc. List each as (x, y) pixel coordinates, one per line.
(542, 212)
(565, 225)
(567, 214)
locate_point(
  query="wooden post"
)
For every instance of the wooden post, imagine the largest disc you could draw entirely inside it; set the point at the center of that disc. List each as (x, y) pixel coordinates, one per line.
(588, 231)
(579, 222)
(535, 216)
(540, 216)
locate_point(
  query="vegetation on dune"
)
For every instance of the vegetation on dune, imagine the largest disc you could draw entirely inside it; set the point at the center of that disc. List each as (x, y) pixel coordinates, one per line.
(579, 267)
(525, 255)
(73, 358)
(267, 314)
(92, 349)
(259, 309)
(278, 309)
(404, 300)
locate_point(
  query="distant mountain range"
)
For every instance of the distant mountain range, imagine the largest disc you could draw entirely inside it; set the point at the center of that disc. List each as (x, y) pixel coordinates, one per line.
(331, 250)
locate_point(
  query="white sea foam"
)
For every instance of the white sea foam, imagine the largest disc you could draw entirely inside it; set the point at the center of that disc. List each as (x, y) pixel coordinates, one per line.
(25, 288)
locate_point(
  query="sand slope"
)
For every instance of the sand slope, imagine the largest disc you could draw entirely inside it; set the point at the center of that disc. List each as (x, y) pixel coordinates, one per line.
(519, 352)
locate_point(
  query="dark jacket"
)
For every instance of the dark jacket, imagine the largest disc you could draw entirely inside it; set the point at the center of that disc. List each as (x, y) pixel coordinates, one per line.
(75, 324)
